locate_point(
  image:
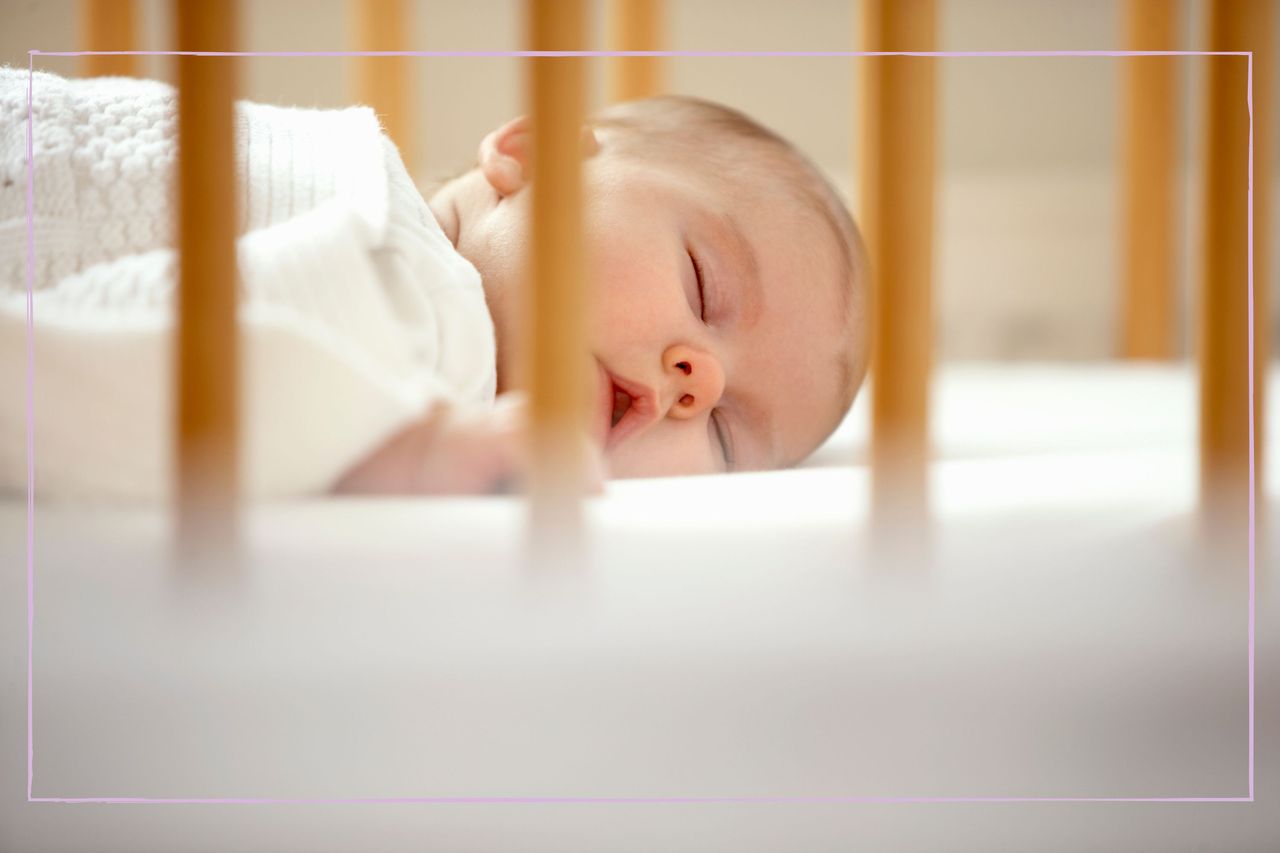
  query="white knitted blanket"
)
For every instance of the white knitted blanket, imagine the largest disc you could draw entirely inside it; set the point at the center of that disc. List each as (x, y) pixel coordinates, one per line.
(355, 310)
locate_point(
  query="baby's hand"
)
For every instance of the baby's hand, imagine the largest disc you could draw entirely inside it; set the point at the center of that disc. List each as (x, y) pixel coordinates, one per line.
(448, 452)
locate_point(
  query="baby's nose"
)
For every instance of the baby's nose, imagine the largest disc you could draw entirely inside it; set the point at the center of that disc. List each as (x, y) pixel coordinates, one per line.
(696, 380)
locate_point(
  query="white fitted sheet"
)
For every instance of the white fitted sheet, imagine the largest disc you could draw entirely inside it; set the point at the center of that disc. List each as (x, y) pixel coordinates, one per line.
(732, 636)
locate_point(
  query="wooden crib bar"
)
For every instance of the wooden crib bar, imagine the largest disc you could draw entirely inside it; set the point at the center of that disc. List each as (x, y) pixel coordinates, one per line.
(558, 377)
(897, 184)
(206, 351)
(1223, 331)
(383, 82)
(635, 25)
(1148, 295)
(109, 25)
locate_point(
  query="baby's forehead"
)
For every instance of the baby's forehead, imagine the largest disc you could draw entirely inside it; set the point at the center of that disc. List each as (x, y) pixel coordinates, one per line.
(702, 150)
(758, 180)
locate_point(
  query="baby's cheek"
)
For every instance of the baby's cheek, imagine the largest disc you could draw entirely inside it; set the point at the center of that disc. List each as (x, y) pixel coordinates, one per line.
(635, 303)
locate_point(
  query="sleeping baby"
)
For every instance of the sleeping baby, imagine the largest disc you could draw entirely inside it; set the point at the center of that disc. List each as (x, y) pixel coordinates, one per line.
(381, 331)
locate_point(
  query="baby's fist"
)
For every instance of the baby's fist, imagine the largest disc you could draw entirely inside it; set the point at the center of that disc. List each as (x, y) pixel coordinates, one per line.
(451, 452)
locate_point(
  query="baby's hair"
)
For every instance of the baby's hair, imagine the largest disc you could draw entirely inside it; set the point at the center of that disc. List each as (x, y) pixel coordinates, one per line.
(678, 128)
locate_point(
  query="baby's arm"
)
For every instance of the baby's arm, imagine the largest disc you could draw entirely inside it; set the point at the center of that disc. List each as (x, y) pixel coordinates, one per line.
(447, 452)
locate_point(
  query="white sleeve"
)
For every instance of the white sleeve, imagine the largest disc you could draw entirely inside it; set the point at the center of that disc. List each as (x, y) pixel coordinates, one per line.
(327, 369)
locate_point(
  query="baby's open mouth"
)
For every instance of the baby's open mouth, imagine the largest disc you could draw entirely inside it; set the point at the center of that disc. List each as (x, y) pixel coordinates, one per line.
(625, 407)
(621, 403)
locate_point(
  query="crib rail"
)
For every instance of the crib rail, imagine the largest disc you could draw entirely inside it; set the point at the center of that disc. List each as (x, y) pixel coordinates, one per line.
(1148, 117)
(897, 178)
(635, 25)
(1226, 431)
(558, 376)
(383, 82)
(109, 25)
(206, 344)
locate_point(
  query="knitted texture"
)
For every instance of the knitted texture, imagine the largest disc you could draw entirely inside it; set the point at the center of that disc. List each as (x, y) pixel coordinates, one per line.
(100, 152)
(105, 150)
(355, 310)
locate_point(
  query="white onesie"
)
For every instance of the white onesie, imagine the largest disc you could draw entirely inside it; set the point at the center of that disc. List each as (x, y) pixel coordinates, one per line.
(355, 310)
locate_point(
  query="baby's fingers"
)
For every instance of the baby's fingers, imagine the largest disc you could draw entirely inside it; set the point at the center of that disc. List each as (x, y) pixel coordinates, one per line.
(510, 414)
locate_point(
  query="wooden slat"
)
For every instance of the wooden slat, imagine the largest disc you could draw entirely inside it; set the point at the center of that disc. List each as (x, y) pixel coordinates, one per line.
(109, 25)
(206, 340)
(1223, 331)
(635, 25)
(558, 376)
(383, 82)
(897, 186)
(1148, 302)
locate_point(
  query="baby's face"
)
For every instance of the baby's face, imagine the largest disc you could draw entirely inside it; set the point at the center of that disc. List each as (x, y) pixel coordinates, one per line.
(715, 324)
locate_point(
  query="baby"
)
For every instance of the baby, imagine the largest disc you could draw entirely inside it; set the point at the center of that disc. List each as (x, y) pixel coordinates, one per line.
(728, 302)
(728, 318)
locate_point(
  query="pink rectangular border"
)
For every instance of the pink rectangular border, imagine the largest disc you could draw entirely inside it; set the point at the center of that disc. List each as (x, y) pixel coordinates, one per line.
(31, 255)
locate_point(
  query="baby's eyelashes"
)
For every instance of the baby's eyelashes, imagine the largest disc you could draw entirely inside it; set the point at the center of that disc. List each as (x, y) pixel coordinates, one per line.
(691, 280)
(723, 444)
(698, 278)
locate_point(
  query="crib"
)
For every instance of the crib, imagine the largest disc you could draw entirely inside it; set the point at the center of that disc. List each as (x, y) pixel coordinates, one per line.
(897, 152)
(893, 641)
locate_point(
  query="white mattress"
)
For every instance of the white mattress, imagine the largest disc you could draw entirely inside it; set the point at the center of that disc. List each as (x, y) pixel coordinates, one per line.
(732, 638)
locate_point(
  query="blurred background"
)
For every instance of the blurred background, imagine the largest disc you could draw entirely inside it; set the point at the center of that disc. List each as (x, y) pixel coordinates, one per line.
(1027, 224)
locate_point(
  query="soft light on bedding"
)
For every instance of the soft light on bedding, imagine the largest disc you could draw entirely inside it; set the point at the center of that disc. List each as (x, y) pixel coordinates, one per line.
(733, 637)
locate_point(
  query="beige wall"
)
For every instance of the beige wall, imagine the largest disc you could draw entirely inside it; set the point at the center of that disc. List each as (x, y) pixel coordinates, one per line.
(1026, 238)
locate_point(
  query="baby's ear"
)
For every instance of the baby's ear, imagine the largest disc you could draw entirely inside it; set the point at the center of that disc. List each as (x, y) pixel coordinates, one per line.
(504, 156)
